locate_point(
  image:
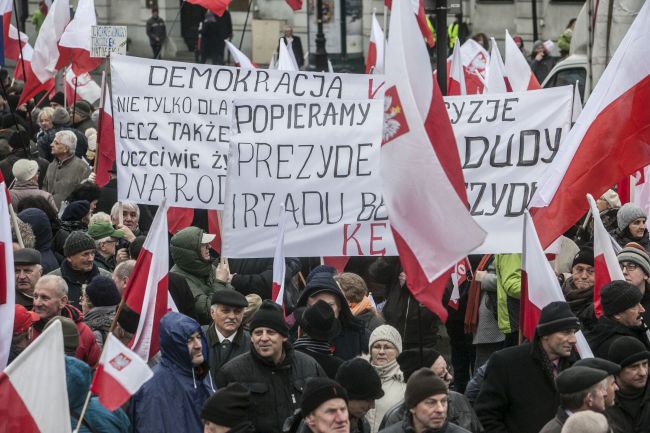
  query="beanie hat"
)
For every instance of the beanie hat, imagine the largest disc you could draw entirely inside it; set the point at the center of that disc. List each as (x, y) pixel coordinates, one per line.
(577, 379)
(423, 384)
(76, 210)
(318, 321)
(24, 169)
(60, 116)
(270, 316)
(70, 333)
(102, 292)
(612, 198)
(321, 269)
(635, 255)
(626, 351)
(23, 319)
(556, 316)
(600, 364)
(618, 296)
(584, 256)
(410, 360)
(83, 107)
(628, 213)
(229, 406)
(386, 333)
(317, 391)
(77, 242)
(19, 139)
(360, 380)
(58, 98)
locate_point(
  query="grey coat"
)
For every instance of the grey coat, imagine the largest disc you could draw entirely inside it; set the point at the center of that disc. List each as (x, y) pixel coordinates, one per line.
(21, 190)
(62, 177)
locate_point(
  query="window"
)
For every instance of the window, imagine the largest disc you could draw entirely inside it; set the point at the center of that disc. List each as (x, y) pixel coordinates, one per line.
(569, 76)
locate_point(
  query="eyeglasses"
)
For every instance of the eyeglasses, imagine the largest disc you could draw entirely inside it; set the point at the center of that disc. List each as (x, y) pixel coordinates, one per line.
(629, 266)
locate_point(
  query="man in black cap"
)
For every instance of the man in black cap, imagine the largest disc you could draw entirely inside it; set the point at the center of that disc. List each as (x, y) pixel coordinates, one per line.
(318, 327)
(273, 372)
(611, 368)
(621, 317)
(578, 289)
(518, 394)
(28, 269)
(363, 385)
(227, 411)
(630, 410)
(324, 406)
(580, 388)
(226, 336)
(81, 113)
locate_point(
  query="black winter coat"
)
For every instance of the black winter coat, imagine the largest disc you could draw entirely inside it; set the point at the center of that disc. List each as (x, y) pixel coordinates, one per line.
(256, 275)
(241, 344)
(276, 390)
(607, 331)
(406, 426)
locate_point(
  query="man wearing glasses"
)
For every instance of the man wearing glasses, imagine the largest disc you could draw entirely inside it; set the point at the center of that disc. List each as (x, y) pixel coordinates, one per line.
(578, 289)
(105, 236)
(635, 264)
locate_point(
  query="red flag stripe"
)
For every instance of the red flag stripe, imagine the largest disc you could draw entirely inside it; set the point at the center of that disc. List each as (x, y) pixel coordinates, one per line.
(111, 393)
(21, 419)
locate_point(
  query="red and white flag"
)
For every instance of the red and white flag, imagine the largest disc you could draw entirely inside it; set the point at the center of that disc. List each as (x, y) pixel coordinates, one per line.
(7, 277)
(33, 388)
(417, 7)
(120, 374)
(539, 286)
(456, 82)
(147, 290)
(295, 5)
(431, 235)
(86, 88)
(496, 80)
(642, 189)
(14, 42)
(606, 264)
(214, 227)
(376, 47)
(105, 138)
(218, 7)
(517, 69)
(77, 39)
(458, 277)
(279, 269)
(28, 52)
(608, 142)
(240, 59)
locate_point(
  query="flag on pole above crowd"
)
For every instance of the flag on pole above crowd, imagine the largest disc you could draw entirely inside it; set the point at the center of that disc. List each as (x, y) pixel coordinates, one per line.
(376, 47)
(7, 277)
(456, 81)
(105, 138)
(496, 80)
(286, 59)
(77, 38)
(239, 59)
(218, 7)
(421, 17)
(517, 69)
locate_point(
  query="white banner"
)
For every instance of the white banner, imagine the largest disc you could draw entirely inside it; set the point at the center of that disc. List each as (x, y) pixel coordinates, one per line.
(321, 160)
(172, 122)
(505, 143)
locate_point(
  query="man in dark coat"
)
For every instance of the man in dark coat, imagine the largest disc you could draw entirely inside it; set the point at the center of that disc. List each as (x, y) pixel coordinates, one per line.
(518, 394)
(226, 336)
(363, 385)
(214, 31)
(578, 289)
(273, 372)
(156, 32)
(227, 411)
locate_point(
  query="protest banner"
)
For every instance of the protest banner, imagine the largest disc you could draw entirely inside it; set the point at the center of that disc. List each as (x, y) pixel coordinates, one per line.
(320, 160)
(106, 40)
(172, 122)
(505, 143)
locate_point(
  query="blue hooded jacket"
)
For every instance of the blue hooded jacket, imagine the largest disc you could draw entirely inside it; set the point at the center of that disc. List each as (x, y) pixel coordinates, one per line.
(171, 401)
(97, 416)
(42, 229)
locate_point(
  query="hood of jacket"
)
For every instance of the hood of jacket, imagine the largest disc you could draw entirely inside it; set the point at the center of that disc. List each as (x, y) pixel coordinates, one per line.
(41, 227)
(346, 317)
(175, 330)
(185, 248)
(77, 377)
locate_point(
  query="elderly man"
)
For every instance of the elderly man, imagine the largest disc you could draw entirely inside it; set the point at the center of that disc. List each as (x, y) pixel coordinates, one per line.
(578, 289)
(635, 264)
(106, 237)
(50, 300)
(122, 273)
(130, 219)
(271, 370)
(66, 171)
(507, 402)
(227, 338)
(324, 406)
(611, 368)
(227, 411)
(28, 269)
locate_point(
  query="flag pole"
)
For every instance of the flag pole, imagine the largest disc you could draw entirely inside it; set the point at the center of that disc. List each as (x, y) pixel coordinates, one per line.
(22, 63)
(14, 222)
(241, 41)
(102, 104)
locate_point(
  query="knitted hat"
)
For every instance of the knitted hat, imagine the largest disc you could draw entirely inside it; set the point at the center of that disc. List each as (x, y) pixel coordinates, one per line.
(386, 333)
(576, 379)
(270, 316)
(635, 255)
(423, 384)
(70, 333)
(585, 256)
(24, 169)
(626, 351)
(102, 292)
(556, 316)
(103, 229)
(618, 296)
(360, 380)
(410, 360)
(23, 319)
(317, 391)
(76, 210)
(628, 213)
(229, 406)
(60, 116)
(229, 297)
(83, 107)
(128, 319)
(58, 98)
(27, 256)
(319, 323)
(77, 242)
(600, 364)
(612, 198)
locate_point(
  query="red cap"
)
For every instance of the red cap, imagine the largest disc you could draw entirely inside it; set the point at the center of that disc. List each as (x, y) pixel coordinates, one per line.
(23, 319)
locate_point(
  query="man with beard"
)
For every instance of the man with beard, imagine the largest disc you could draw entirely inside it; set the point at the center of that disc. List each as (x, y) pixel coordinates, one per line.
(578, 289)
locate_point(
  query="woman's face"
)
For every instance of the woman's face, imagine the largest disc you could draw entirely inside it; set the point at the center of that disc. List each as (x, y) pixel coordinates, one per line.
(637, 228)
(382, 352)
(45, 123)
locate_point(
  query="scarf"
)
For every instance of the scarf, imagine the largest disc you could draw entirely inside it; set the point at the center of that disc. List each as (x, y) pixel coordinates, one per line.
(576, 295)
(474, 297)
(311, 345)
(390, 371)
(359, 307)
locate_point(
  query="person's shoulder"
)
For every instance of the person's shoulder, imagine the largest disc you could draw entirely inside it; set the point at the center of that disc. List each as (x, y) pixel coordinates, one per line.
(394, 428)
(453, 428)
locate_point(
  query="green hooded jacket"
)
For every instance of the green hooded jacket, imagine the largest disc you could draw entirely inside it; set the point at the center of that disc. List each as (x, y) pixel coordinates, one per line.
(508, 268)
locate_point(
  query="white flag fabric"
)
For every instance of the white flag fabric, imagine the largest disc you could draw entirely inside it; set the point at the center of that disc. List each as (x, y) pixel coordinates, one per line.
(278, 260)
(240, 59)
(517, 69)
(496, 80)
(7, 277)
(286, 59)
(46, 48)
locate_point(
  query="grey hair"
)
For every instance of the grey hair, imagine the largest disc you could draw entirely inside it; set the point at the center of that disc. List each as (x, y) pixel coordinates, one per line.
(586, 421)
(68, 139)
(46, 112)
(124, 269)
(58, 281)
(128, 205)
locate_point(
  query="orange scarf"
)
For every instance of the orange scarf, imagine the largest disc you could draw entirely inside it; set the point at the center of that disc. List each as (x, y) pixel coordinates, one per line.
(359, 307)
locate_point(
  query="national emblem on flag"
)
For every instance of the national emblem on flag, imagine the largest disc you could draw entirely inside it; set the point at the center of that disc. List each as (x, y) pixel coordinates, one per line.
(394, 119)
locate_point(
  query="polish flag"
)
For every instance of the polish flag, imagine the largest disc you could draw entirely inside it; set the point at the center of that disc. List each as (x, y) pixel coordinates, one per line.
(496, 80)
(14, 42)
(456, 83)
(105, 139)
(609, 140)
(214, 227)
(6, 6)
(286, 59)
(605, 261)
(642, 189)
(277, 289)
(179, 218)
(240, 59)
(375, 60)
(475, 57)
(7, 278)
(218, 7)
(78, 36)
(337, 262)
(147, 290)
(431, 235)
(33, 388)
(120, 374)
(28, 52)
(86, 88)
(418, 9)
(295, 5)
(539, 286)
(458, 277)
(517, 69)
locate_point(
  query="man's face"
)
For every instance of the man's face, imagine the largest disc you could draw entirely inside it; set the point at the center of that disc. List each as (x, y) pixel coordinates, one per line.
(120, 283)
(205, 251)
(630, 317)
(637, 228)
(329, 417)
(268, 343)
(226, 319)
(583, 276)
(26, 277)
(359, 408)
(634, 376)
(331, 299)
(612, 387)
(107, 247)
(634, 274)
(82, 261)
(559, 344)
(597, 399)
(431, 413)
(48, 301)
(59, 150)
(288, 32)
(441, 369)
(195, 347)
(130, 219)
